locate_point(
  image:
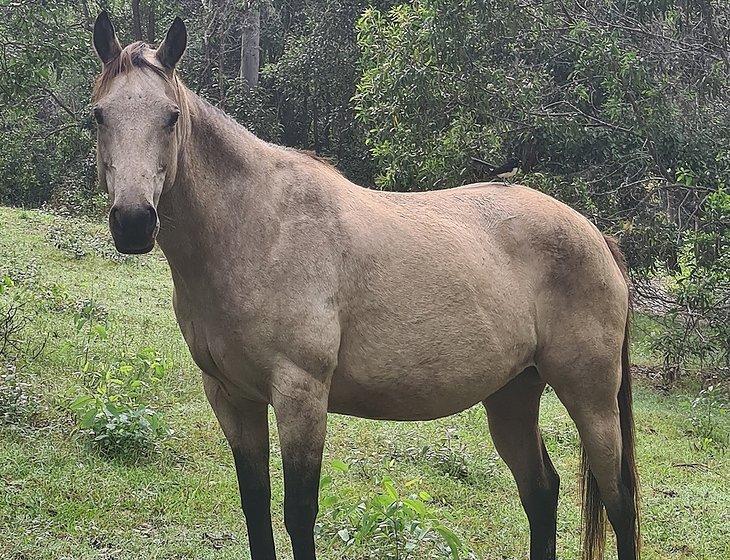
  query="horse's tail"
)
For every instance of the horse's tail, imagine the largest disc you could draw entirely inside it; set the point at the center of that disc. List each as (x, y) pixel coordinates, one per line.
(594, 520)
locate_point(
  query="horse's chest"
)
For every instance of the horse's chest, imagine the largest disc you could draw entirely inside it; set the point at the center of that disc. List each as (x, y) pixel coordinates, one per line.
(223, 351)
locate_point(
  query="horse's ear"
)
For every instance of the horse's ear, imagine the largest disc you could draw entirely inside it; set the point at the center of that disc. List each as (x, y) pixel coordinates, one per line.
(106, 44)
(173, 47)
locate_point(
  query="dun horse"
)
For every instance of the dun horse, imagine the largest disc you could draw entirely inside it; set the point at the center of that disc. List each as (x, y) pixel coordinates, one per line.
(299, 289)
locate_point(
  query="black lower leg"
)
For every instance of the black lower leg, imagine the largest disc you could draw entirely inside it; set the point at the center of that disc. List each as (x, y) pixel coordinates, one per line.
(622, 517)
(301, 507)
(541, 504)
(541, 508)
(253, 483)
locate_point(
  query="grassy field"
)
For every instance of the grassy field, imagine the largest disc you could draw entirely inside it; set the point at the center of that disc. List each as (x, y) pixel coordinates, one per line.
(61, 498)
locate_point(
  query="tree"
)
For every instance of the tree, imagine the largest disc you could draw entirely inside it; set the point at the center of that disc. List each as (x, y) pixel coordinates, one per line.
(136, 21)
(250, 35)
(618, 108)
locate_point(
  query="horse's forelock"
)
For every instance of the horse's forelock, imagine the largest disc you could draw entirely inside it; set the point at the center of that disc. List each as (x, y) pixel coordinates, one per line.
(131, 56)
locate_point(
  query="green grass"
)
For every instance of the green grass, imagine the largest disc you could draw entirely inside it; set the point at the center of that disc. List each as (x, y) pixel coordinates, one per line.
(61, 499)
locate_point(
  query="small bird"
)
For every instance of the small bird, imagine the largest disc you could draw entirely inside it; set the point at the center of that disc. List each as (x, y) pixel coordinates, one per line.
(505, 171)
(509, 174)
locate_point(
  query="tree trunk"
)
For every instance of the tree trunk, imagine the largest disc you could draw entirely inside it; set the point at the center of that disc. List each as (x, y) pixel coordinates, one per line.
(249, 70)
(221, 68)
(136, 22)
(151, 22)
(88, 21)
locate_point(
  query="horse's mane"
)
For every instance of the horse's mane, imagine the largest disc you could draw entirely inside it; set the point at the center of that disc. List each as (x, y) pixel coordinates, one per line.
(135, 56)
(319, 158)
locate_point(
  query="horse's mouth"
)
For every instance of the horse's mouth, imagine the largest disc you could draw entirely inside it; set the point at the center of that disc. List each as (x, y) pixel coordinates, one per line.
(134, 244)
(135, 250)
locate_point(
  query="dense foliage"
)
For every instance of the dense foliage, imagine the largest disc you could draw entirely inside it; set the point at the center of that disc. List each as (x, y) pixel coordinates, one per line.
(617, 108)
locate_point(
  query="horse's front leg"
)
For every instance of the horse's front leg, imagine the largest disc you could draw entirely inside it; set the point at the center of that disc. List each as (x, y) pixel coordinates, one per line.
(300, 404)
(246, 427)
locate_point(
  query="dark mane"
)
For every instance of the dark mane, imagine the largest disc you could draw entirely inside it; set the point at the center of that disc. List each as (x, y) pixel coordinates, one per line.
(132, 56)
(315, 156)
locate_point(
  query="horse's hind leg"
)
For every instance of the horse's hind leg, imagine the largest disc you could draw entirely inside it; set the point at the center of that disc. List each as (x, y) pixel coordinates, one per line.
(513, 413)
(593, 393)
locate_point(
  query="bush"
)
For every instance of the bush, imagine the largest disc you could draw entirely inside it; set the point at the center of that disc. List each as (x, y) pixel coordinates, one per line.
(708, 412)
(118, 429)
(13, 320)
(695, 314)
(15, 404)
(394, 527)
(111, 411)
(15, 350)
(449, 457)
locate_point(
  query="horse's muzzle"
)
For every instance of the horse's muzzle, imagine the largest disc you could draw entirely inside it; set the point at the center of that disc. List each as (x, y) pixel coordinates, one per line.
(133, 228)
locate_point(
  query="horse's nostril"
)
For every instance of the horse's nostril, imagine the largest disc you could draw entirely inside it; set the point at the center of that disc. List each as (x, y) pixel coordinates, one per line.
(152, 213)
(133, 227)
(114, 221)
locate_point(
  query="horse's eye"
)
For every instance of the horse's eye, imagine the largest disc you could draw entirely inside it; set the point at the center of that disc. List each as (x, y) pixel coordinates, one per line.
(173, 118)
(98, 117)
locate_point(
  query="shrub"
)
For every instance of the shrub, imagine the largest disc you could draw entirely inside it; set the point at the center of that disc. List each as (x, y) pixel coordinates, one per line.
(393, 526)
(15, 404)
(119, 429)
(708, 411)
(111, 411)
(13, 320)
(15, 349)
(449, 457)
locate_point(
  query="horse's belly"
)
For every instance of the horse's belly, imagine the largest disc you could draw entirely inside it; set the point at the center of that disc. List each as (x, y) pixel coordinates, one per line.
(422, 383)
(433, 347)
(395, 402)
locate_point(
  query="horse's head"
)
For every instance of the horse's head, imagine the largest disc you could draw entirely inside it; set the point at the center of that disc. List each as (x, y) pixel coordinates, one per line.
(141, 114)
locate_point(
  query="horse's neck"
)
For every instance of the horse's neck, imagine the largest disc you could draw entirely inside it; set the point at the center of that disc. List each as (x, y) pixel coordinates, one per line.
(219, 189)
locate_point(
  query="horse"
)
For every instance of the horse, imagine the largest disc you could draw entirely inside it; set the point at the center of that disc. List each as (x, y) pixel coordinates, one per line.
(298, 289)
